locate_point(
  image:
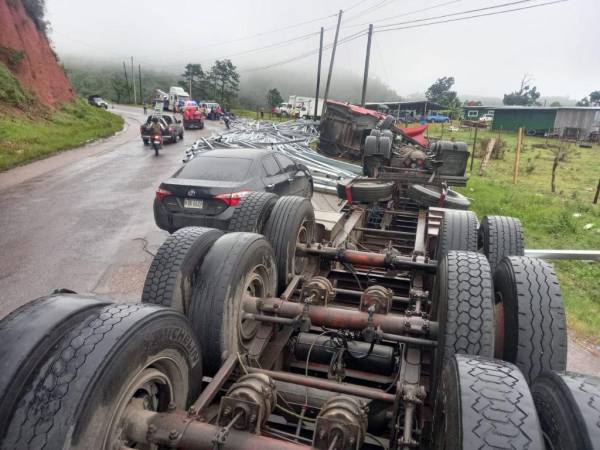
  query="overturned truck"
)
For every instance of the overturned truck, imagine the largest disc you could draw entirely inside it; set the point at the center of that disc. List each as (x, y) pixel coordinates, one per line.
(396, 326)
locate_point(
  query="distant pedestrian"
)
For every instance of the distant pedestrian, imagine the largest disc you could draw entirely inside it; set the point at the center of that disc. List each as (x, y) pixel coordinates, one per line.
(145, 108)
(262, 113)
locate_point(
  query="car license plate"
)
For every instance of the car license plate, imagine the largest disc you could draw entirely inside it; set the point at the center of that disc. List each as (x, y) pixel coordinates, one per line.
(192, 203)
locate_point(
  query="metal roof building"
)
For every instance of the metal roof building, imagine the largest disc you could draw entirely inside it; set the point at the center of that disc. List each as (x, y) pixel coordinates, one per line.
(566, 121)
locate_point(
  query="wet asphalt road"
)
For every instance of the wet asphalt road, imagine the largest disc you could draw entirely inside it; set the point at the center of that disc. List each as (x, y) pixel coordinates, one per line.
(83, 220)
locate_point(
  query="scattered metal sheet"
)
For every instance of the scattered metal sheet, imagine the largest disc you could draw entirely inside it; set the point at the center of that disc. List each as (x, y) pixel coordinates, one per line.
(293, 138)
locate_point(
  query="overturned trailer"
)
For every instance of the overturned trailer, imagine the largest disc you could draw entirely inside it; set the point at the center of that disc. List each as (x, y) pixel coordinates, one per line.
(345, 127)
(394, 326)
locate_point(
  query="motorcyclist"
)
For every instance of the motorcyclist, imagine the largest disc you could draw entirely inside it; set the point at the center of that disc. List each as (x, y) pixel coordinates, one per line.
(155, 127)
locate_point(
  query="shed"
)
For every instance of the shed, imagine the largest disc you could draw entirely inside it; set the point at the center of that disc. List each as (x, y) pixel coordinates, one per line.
(577, 122)
(534, 120)
(401, 109)
(475, 112)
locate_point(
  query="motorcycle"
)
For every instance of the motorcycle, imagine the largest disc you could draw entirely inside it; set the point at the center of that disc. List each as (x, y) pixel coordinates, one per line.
(156, 143)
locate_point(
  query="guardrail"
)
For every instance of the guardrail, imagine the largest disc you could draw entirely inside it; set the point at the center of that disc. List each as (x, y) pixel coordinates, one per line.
(586, 255)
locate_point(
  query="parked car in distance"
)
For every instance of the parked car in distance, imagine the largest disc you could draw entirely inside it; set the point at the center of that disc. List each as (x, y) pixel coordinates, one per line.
(97, 101)
(171, 128)
(486, 118)
(437, 118)
(206, 190)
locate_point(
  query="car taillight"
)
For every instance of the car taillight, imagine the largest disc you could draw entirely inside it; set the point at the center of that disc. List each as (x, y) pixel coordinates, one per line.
(232, 199)
(161, 194)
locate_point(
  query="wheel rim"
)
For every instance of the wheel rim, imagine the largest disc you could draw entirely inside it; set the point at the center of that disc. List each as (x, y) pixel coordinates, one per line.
(300, 264)
(153, 388)
(256, 287)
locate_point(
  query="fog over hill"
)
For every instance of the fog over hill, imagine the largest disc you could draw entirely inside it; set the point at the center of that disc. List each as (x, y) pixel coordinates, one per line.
(93, 77)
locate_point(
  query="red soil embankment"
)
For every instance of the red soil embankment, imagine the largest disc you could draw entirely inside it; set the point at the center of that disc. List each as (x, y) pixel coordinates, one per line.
(36, 67)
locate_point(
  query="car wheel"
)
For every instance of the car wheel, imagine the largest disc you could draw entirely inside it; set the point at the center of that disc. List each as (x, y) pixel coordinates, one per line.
(175, 268)
(237, 265)
(122, 356)
(534, 328)
(484, 403)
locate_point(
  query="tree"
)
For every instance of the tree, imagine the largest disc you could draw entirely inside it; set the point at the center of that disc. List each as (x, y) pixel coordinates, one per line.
(274, 98)
(226, 80)
(555, 104)
(194, 77)
(591, 100)
(454, 108)
(120, 86)
(439, 92)
(525, 96)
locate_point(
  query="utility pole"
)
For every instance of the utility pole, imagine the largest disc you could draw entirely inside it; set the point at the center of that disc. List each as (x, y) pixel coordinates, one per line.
(133, 82)
(319, 73)
(366, 76)
(335, 41)
(127, 81)
(140, 76)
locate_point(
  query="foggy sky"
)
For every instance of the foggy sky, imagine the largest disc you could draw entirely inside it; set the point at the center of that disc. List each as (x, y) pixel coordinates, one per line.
(557, 44)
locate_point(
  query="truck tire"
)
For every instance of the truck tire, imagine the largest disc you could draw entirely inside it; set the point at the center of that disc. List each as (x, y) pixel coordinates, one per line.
(569, 408)
(252, 212)
(116, 356)
(464, 307)
(370, 146)
(28, 334)
(385, 147)
(430, 196)
(500, 236)
(484, 403)
(371, 191)
(388, 122)
(174, 270)
(535, 331)
(292, 221)
(458, 231)
(237, 264)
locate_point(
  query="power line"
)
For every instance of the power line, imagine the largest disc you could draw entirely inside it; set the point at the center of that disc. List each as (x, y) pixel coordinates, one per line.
(500, 5)
(473, 17)
(407, 13)
(262, 33)
(306, 54)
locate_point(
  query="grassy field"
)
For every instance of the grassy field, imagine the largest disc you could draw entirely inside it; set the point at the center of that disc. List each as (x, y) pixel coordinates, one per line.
(252, 115)
(558, 221)
(23, 139)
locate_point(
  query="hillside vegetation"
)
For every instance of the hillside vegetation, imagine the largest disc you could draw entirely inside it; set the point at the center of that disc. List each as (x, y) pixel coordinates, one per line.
(29, 131)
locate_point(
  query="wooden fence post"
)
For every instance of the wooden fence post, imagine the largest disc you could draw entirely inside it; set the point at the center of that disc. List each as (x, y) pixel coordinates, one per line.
(597, 192)
(518, 155)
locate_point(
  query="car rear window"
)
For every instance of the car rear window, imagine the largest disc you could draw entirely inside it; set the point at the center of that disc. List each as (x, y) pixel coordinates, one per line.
(216, 169)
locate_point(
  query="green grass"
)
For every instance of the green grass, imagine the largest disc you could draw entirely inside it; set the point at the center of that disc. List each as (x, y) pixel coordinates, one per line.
(553, 221)
(240, 112)
(24, 139)
(11, 92)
